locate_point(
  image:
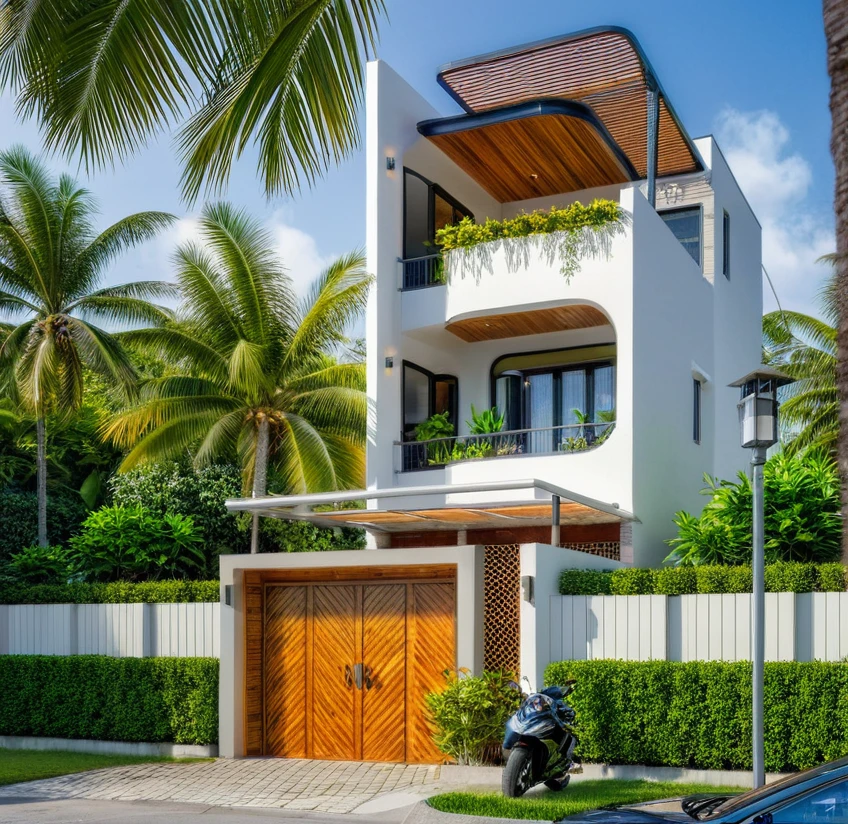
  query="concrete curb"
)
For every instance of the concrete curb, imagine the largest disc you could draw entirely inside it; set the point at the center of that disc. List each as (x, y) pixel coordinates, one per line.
(26, 742)
(423, 813)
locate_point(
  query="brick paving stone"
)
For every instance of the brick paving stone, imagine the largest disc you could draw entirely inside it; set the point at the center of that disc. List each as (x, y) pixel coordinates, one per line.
(323, 786)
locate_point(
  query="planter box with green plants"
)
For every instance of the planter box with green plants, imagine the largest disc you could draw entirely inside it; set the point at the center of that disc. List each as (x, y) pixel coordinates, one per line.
(563, 235)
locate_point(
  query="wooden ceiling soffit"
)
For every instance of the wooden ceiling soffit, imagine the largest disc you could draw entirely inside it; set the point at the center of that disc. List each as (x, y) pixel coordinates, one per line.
(544, 147)
(605, 68)
(532, 322)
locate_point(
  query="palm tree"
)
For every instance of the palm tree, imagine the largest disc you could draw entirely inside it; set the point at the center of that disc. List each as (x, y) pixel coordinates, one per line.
(103, 77)
(836, 32)
(259, 376)
(804, 347)
(51, 260)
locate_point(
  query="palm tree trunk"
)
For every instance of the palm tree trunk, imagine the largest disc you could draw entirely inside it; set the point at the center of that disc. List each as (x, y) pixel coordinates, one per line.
(41, 481)
(260, 475)
(836, 32)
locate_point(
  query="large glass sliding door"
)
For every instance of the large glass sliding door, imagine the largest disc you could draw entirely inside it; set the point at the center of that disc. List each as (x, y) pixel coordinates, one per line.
(540, 412)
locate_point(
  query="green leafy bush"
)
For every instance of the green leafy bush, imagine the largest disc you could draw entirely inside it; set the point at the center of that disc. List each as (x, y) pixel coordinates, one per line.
(485, 422)
(133, 543)
(802, 520)
(783, 576)
(110, 699)
(41, 565)
(117, 592)
(562, 229)
(698, 714)
(276, 535)
(585, 582)
(179, 488)
(470, 713)
(19, 515)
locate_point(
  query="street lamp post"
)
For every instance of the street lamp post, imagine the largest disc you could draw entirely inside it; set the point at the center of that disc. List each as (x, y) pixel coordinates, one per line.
(758, 423)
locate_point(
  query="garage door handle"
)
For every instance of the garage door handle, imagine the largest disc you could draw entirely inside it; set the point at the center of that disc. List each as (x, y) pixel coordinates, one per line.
(368, 682)
(348, 676)
(357, 674)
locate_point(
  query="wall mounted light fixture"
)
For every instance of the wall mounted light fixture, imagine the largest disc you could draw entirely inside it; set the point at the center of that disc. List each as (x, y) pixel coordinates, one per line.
(390, 362)
(390, 164)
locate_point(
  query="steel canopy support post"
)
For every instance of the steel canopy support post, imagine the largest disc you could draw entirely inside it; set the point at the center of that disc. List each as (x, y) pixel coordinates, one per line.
(555, 513)
(653, 128)
(758, 617)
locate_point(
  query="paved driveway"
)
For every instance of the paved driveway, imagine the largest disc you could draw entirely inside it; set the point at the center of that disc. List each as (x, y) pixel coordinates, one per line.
(323, 786)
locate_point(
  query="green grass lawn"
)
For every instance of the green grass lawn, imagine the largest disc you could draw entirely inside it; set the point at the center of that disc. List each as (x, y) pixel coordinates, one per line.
(29, 765)
(577, 797)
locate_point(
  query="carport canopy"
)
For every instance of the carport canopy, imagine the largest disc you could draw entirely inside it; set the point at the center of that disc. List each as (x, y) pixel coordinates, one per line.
(534, 503)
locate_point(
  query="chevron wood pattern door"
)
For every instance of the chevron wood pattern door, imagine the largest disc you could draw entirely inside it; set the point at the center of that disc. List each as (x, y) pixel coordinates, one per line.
(285, 671)
(403, 636)
(384, 659)
(431, 649)
(336, 638)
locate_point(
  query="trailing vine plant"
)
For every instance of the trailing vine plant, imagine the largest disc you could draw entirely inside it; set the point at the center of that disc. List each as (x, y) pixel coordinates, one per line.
(566, 235)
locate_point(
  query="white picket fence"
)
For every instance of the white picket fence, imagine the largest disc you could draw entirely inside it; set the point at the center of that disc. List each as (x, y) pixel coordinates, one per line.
(119, 630)
(799, 627)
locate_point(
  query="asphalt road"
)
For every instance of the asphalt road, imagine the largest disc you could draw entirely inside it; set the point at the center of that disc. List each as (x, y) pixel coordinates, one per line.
(15, 810)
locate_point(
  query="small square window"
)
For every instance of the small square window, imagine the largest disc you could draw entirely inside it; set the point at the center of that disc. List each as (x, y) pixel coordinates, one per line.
(685, 225)
(725, 248)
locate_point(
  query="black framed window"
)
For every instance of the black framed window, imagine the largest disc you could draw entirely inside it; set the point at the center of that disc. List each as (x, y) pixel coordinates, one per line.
(725, 244)
(427, 207)
(424, 394)
(559, 399)
(685, 225)
(696, 410)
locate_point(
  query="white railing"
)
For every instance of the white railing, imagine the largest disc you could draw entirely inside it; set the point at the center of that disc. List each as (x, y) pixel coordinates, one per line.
(117, 630)
(799, 627)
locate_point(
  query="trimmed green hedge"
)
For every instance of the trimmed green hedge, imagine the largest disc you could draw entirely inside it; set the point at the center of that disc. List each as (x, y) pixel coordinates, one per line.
(110, 699)
(118, 592)
(784, 576)
(698, 714)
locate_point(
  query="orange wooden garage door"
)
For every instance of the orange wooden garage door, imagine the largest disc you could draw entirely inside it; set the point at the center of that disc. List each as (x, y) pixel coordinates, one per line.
(347, 665)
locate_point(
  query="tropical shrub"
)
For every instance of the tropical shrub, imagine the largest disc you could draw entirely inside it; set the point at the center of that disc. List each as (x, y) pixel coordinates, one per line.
(470, 713)
(179, 488)
(485, 422)
(782, 576)
(436, 426)
(133, 543)
(110, 699)
(301, 536)
(41, 565)
(567, 234)
(116, 592)
(802, 520)
(19, 516)
(698, 714)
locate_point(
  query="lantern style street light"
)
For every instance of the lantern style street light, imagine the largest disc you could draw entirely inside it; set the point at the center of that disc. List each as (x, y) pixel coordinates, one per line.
(758, 424)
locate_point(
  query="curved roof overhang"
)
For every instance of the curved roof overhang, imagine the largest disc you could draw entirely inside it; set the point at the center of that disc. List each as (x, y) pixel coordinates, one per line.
(603, 67)
(474, 327)
(532, 149)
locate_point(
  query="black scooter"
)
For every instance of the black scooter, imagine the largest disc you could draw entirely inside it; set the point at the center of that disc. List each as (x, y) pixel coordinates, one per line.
(539, 742)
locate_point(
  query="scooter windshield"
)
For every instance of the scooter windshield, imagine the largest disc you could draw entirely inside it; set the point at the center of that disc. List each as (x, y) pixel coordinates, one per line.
(534, 705)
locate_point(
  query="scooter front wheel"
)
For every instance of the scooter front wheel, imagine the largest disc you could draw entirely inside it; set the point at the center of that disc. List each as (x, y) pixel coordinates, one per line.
(518, 773)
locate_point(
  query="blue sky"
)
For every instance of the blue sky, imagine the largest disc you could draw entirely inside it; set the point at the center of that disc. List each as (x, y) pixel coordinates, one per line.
(752, 73)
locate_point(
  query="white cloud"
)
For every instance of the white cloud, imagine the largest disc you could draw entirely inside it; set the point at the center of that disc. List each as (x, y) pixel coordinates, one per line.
(298, 251)
(776, 182)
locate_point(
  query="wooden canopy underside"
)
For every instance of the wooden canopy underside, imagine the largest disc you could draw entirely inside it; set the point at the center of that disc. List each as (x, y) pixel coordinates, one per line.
(546, 154)
(531, 514)
(532, 322)
(604, 69)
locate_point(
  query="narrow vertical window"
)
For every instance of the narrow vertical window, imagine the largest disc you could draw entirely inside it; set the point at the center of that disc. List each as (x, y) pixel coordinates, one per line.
(696, 410)
(725, 235)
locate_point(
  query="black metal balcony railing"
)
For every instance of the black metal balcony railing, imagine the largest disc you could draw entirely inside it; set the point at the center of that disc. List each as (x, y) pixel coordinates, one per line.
(421, 272)
(547, 440)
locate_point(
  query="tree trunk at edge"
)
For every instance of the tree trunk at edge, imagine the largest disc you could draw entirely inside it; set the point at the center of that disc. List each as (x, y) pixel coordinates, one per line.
(41, 482)
(836, 31)
(260, 476)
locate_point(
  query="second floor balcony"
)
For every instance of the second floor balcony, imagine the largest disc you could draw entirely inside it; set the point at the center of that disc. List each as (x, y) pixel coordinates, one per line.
(549, 440)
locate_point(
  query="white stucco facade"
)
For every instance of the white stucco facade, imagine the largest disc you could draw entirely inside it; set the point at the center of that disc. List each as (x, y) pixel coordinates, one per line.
(670, 320)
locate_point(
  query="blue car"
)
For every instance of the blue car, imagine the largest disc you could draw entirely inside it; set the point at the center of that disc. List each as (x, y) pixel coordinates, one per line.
(815, 796)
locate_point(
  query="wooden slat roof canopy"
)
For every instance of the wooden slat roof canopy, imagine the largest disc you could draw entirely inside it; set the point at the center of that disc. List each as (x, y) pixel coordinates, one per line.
(534, 149)
(604, 68)
(531, 322)
(574, 508)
